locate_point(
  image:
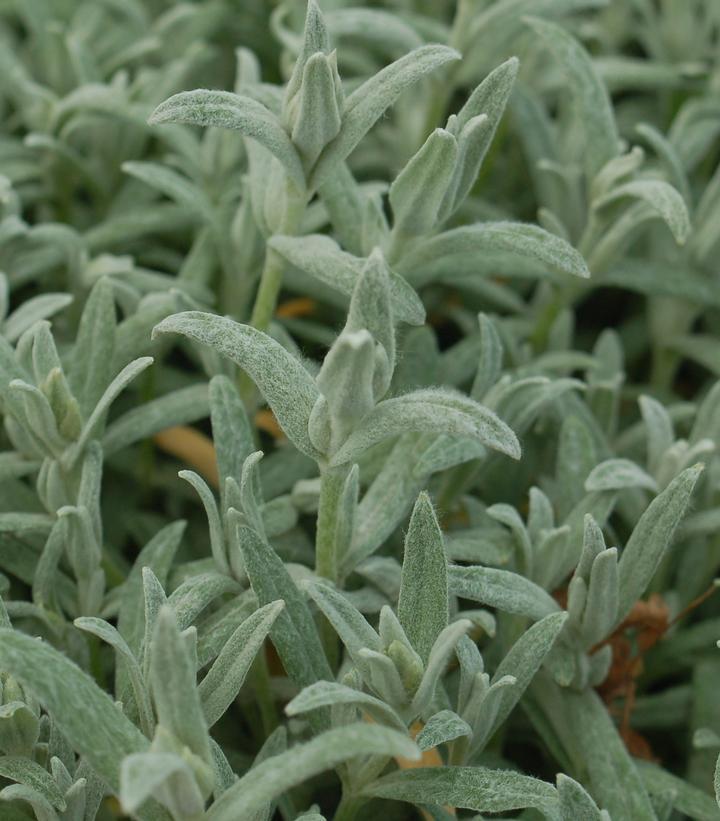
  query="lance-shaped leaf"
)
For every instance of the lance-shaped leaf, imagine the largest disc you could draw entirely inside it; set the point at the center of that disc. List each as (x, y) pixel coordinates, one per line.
(440, 654)
(232, 434)
(368, 103)
(617, 474)
(429, 411)
(329, 693)
(440, 728)
(106, 632)
(173, 185)
(661, 197)
(687, 799)
(322, 258)
(33, 310)
(382, 29)
(226, 676)
(97, 417)
(491, 356)
(350, 625)
(318, 112)
(173, 682)
(370, 309)
(275, 775)
(575, 802)
(522, 663)
(418, 190)
(315, 39)
(474, 127)
(610, 772)
(509, 592)
(224, 109)
(196, 593)
(215, 527)
(30, 774)
(283, 381)
(601, 605)
(92, 361)
(659, 431)
(153, 773)
(423, 603)
(471, 788)
(346, 382)
(514, 239)
(651, 538)
(157, 556)
(593, 108)
(25, 522)
(180, 407)
(294, 633)
(89, 719)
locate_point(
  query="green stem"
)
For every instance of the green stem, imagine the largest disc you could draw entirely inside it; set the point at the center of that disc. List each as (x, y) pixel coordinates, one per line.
(270, 284)
(348, 808)
(664, 365)
(565, 297)
(274, 266)
(332, 481)
(271, 280)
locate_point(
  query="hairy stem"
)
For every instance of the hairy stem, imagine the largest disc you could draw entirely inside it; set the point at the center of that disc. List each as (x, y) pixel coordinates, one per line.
(326, 550)
(274, 266)
(348, 808)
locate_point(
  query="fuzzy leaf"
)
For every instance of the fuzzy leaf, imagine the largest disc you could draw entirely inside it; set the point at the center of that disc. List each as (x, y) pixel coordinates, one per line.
(87, 717)
(368, 103)
(33, 310)
(661, 197)
(418, 190)
(323, 259)
(143, 773)
(232, 434)
(651, 538)
(108, 634)
(472, 788)
(429, 411)
(350, 625)
(475, 128)
(283, 381)
(522, 663)
(173, 682)
(90, 371)
(273, 776)
(26, 772)
(223, 109)
(97, 417)
(173, 185)
(423, 603)
(509, 592)
(226, 676)
(593, 108)
(294, 633)
(440, 728)
(575, 802)
(318, 115)
(180, 407)
(617, 474)
(328, 693)
(515, 239)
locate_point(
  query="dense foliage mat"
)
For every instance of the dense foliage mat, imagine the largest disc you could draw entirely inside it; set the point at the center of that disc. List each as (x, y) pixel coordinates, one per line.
(358, 379)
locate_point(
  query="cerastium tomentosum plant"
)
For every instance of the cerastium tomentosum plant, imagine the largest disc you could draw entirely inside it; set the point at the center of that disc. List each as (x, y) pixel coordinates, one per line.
(425, 311)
